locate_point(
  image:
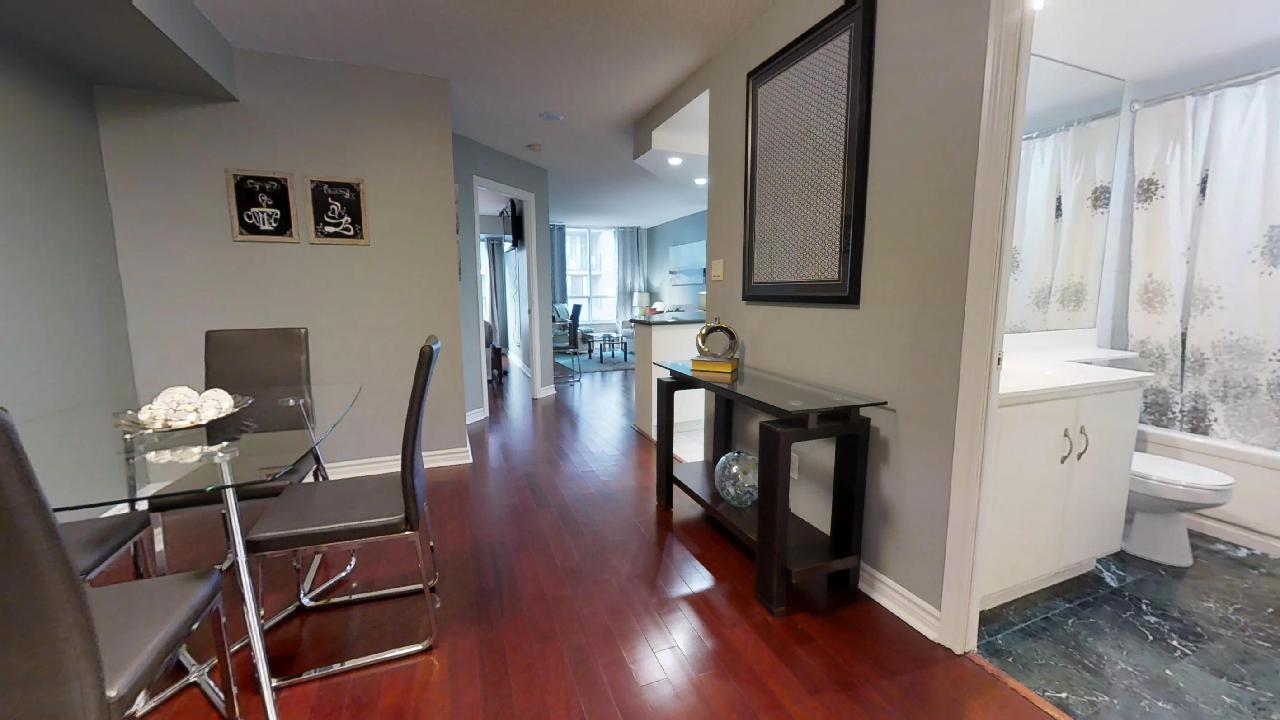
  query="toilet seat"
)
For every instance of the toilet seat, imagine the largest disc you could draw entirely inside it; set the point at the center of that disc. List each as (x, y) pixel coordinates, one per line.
(1167, 477)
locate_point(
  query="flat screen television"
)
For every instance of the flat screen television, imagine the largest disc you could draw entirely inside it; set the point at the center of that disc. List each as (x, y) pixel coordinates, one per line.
(513, 222)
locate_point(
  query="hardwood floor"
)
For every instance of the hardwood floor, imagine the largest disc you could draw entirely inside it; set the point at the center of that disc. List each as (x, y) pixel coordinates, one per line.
(565, 593)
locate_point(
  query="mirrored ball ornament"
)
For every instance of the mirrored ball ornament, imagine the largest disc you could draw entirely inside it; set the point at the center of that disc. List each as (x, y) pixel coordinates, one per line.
(738, 478)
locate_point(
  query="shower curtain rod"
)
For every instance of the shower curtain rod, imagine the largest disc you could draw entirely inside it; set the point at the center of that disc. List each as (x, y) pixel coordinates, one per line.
(1067, 126)
(1137, 105)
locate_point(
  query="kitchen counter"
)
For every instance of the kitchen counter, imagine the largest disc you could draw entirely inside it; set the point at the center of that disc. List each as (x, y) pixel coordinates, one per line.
(671, 319)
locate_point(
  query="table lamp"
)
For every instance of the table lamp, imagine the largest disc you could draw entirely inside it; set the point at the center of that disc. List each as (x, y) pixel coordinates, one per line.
(639, 303)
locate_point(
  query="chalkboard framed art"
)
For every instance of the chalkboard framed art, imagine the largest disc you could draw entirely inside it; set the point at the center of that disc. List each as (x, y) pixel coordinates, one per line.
(261, 206)
(337, 211)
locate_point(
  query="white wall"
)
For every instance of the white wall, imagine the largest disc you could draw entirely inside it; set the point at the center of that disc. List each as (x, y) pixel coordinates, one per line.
(368, 308)
(903, 343)
(64, 350)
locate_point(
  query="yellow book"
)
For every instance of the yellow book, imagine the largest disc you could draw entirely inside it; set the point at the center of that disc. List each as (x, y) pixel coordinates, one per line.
(714, 364)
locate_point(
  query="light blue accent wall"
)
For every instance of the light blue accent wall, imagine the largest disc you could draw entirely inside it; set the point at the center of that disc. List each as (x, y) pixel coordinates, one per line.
(660, 239)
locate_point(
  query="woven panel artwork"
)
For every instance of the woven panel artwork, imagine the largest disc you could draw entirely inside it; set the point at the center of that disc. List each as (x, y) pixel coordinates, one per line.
(801, 135)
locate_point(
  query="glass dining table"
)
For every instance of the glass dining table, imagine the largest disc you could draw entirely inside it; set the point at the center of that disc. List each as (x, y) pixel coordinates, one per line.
(115, 465)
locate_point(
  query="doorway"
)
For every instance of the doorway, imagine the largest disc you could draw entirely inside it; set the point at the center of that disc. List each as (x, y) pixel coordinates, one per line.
(508, 290)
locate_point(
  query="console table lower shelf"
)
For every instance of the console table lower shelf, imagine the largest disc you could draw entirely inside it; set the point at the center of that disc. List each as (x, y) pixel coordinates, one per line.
(808, 553)
(787, 549)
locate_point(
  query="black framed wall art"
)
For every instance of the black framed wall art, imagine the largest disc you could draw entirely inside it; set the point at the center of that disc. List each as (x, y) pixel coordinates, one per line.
(261, 206)
(337, 211)
(808, 127)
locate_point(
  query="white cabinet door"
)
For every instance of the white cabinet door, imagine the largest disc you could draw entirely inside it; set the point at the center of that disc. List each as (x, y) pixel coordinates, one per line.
(1023, 510)
(1105, 431)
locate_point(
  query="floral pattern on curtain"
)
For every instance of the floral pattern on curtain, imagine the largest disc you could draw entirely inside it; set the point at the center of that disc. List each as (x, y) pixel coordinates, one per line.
(1205, 289)
(1060, 230)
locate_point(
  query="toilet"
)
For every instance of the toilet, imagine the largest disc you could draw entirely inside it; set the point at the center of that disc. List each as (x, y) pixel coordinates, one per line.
(1161, 489)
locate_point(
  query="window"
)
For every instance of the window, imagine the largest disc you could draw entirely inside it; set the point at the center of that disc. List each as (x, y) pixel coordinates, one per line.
(591, 273)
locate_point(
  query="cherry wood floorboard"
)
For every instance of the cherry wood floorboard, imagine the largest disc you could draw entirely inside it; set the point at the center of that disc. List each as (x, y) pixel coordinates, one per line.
(566, 593)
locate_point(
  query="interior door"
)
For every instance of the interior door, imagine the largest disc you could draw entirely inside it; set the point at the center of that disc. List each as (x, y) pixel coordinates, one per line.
(1023, 504)
(1106, 430)
(515, 308)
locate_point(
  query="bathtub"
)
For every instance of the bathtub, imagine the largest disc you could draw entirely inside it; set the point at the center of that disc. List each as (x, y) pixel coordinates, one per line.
(1252, 518)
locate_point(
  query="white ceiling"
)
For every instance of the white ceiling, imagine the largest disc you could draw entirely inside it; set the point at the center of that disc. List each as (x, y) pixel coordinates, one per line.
(602, 63)
(1161, 45)
(489, 202)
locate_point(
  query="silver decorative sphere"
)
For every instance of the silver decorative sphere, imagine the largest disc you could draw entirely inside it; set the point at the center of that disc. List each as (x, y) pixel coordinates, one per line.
(738, 478)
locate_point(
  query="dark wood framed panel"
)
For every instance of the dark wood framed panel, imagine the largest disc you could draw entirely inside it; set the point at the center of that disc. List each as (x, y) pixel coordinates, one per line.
(808, 127)
(261, 206)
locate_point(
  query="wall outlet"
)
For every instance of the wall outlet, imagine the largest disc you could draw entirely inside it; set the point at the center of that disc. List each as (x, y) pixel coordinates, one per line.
(795, 466)
(717, 269)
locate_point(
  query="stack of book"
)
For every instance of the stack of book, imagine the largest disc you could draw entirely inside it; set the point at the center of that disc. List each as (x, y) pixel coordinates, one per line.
(719, 368)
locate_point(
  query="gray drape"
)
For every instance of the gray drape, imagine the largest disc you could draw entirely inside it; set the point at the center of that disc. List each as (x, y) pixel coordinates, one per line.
(497, 291)
(559, 283)
(631, 270)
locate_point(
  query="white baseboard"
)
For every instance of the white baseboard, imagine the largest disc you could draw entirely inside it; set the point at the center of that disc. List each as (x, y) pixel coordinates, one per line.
(391, 463)
(474, 416)
(544, 391)
(1003, 596)
(1234, 533)
(925, 618)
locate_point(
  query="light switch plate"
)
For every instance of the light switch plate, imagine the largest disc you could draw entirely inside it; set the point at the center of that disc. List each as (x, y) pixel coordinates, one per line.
(717, 269)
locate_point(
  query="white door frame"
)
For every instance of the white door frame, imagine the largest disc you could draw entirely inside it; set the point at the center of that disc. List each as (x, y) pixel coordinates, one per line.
(534, 302)
(1008, 56)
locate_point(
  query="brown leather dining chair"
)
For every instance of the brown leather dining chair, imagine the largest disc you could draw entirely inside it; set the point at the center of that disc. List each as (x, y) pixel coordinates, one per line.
(77, 652)
(93, 543)
(346, 513)
(273, 366)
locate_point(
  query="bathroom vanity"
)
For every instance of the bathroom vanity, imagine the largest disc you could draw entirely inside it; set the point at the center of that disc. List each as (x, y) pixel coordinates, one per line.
(1063, 446)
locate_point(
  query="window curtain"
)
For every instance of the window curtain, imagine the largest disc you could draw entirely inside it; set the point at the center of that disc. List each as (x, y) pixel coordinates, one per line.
(631, 270)
(1064, 197)
(559, 283)
(497, 291)
(1205, 293)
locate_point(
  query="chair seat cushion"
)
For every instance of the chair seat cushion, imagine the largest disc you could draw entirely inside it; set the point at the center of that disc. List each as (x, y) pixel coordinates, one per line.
(318, 513)
(92, 542)
(205, 499)
(140, 624)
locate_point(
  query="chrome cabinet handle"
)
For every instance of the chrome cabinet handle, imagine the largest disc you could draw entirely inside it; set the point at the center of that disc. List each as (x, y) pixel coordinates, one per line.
(1071, 446)
(1084, 434)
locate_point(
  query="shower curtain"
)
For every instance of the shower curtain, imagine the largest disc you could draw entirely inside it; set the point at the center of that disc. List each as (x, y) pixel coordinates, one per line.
(1205, 291)
(1060, 230)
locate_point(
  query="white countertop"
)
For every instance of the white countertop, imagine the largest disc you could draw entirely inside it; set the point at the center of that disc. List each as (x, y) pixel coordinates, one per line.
(1034, 376)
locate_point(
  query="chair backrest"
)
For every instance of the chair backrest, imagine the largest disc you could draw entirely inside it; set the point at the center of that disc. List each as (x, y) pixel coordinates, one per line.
(413, 477)
(560, 312)
(574, 318)
(269, 364)
(51, 666)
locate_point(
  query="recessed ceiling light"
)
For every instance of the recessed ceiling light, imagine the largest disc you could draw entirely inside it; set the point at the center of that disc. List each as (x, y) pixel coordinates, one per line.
(550, 116)
(675, 161)
(699, 181)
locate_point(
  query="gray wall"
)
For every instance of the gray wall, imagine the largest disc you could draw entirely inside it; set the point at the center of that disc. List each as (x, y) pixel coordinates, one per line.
(368, 308)
(63, 341)
(660, 240)
(903, 343)
(470, 159)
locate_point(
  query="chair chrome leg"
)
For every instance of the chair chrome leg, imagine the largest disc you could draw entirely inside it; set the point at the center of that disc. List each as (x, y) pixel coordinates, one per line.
(222, 651)
(385, 655)
(157, 544)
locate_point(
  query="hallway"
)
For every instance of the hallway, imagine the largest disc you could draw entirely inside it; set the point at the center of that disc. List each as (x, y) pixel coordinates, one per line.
(565, 594)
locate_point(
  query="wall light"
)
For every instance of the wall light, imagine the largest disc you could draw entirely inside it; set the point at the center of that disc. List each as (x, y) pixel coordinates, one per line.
(699, 181)
(674, 161)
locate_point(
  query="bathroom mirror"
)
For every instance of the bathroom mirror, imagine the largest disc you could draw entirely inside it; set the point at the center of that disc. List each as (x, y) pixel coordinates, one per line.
(1064, 197)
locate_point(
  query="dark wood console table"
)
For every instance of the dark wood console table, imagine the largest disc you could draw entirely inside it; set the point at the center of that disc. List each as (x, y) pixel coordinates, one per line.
(786, 547)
